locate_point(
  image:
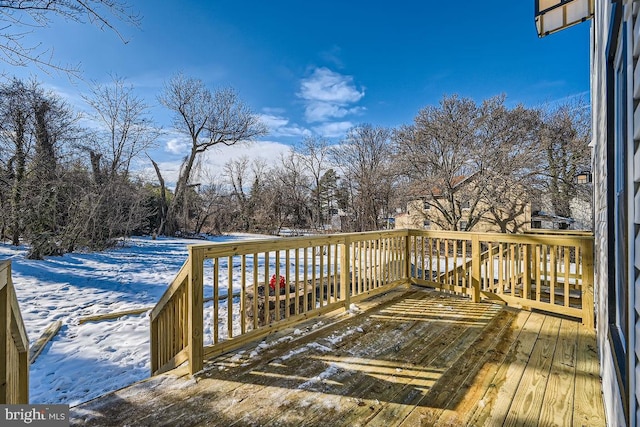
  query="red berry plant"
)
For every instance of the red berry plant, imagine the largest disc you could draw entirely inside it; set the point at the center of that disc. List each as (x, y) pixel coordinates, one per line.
(272, 283)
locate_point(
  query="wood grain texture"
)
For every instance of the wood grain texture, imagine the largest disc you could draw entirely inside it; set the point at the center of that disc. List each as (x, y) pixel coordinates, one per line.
(46, 336)
(412, 357)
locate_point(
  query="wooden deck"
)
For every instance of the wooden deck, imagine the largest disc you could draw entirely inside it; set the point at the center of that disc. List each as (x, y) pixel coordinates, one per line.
(411, 357)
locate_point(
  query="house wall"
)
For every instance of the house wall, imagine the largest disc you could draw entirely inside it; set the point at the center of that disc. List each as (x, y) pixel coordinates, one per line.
(600, 38)
(416, 216)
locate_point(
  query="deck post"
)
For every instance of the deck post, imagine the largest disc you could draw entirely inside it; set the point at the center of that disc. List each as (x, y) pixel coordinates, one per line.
(14, 344)
(195, 308)
(23, 372)
(5, 337)
(153, 332)
(587, 283)
(345, 284)
(476, 261)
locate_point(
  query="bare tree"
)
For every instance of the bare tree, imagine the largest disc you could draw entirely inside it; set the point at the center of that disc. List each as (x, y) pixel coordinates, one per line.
(295, 190)
(564, 137)
(435, 152)
(267, 198)
(207, 119)
(208, 207)
(314, 155)
(22, 17)
(471, 162)
(14, 138)
(511, 163)
(36, 128)
(237, 172)
(364, 158)
(124, 128)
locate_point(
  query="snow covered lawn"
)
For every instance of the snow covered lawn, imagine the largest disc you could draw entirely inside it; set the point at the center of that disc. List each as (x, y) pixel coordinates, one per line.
(86, 360)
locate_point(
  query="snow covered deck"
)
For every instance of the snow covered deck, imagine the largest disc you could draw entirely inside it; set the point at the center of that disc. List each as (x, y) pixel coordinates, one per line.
(409, 357)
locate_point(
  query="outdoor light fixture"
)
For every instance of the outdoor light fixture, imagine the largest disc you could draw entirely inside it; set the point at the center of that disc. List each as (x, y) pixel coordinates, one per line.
(555, 15)
(583, 177)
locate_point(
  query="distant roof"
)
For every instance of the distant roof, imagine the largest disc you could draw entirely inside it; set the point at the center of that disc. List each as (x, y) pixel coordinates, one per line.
(542, 215)
(436, 190)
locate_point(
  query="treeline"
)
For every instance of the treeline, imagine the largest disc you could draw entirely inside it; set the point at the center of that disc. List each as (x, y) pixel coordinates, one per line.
(69, 181)
(65, 186)
(509, 159)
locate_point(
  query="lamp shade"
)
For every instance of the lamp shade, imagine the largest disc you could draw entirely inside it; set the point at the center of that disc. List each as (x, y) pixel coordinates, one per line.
(555, 15)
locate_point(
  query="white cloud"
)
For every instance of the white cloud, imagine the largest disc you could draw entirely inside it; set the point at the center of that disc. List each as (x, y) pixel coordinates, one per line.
(213, 160)
(328, 86)
(279, 126)
(320, 111)
(273, 122)
(170, 171)
(329, 95)
(333, 129)
(177, 146)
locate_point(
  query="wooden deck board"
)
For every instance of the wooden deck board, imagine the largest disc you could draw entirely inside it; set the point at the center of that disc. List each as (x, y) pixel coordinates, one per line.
(418, 357)
(492, 409)
(557, 407)
(527, 401)
(454, 383)
(408, 388)
(589, 407)
(485, 381)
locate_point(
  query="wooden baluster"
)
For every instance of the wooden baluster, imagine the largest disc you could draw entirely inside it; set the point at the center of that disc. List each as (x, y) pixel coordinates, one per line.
(475, 268)
(216, 299)
(230, 298)
(243, 296)
(297, 284)
(287, 260)
(255, 291)
(277, 288)
(267, 293)
(553, 270)
(567, 268)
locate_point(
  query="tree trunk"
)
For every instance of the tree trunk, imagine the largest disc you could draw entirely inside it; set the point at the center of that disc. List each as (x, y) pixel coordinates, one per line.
(176, 205)
(18, 177)
(163, 200)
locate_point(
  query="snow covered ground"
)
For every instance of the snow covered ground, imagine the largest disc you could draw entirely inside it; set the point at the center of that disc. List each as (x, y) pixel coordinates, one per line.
(87, 360)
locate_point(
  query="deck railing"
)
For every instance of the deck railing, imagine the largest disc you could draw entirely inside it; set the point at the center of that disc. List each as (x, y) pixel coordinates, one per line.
(550, 272)
(229, 293)
(14, 344)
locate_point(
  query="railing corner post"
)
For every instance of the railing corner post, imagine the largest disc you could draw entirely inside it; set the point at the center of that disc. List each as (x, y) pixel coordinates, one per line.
(475, 267)
(588, 308)
(23, 364)
(153, 336)
(5, 336)
(195, 309)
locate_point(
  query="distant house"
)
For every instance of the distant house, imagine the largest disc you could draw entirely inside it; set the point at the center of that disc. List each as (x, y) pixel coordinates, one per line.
(547, 220)
(466, 210)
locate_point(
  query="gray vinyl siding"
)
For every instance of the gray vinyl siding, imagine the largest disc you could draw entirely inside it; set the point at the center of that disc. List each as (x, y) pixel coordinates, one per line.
(601, 22)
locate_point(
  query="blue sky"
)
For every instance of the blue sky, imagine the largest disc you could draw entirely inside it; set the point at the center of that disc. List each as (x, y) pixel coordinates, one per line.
(322, 67)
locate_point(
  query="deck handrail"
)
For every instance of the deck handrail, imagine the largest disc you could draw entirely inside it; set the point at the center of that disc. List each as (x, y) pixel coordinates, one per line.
(14, 344)
(528, 270)
(328, 272)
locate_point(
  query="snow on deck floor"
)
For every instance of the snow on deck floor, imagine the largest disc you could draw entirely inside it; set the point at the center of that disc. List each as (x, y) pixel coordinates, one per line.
(88, 360)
